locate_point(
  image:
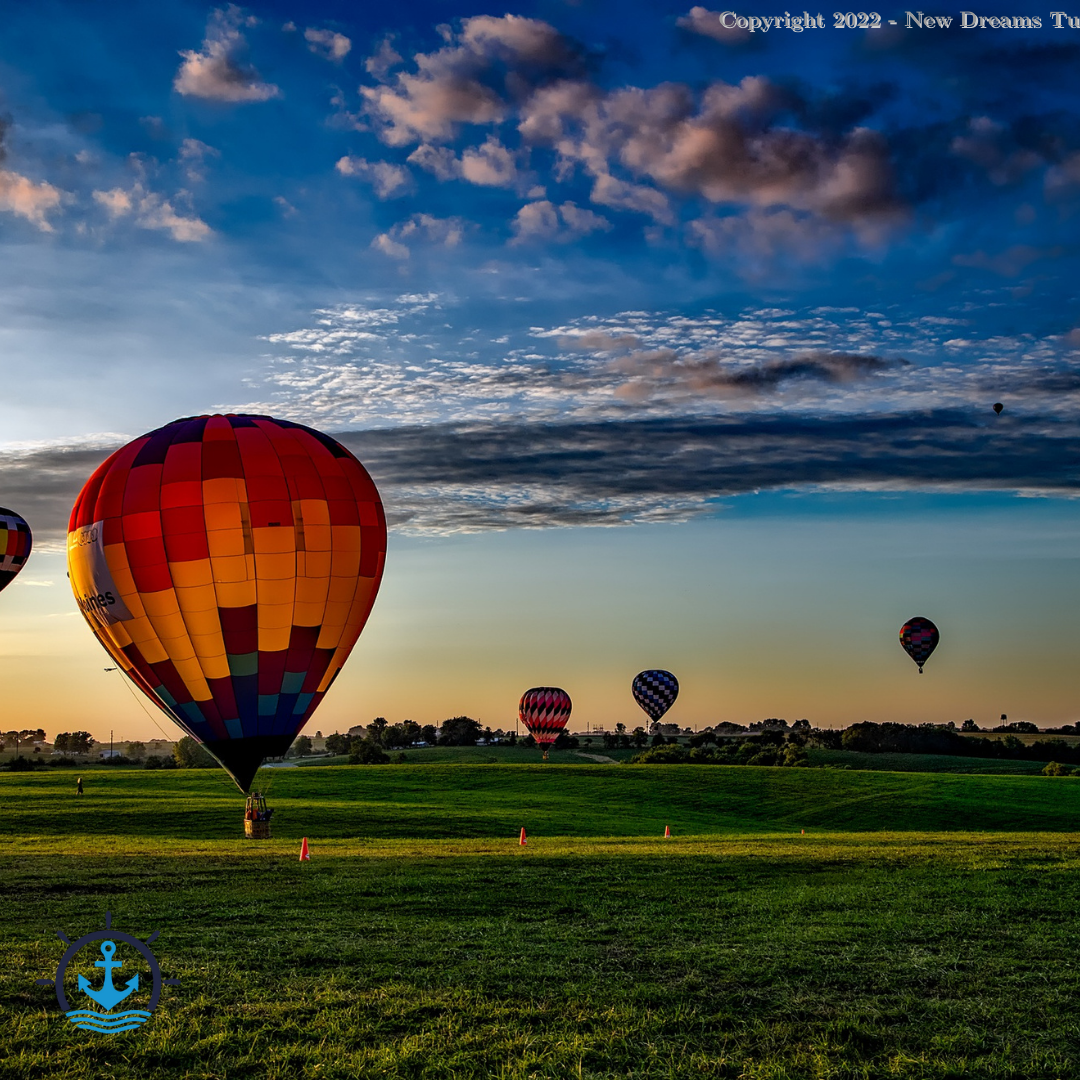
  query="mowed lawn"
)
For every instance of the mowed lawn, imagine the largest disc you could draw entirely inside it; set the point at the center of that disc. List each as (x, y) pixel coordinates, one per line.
(924, 925)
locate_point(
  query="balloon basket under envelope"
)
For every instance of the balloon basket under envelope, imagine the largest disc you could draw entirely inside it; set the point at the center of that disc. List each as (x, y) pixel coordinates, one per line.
(256, 818)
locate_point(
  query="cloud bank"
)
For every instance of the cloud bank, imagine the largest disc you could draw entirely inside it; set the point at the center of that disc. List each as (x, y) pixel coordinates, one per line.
(447, 478)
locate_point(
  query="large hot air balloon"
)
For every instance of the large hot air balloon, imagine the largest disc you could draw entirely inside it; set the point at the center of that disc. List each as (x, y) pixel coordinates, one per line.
(15, 544)
(544, 710)
(655, 691)
(228, 565)
(919, 637)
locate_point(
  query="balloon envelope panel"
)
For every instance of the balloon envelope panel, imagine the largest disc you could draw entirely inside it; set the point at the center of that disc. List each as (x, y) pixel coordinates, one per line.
(655, 691)
(228, 565)
(544, 711)
(919, 637)
(15, 545)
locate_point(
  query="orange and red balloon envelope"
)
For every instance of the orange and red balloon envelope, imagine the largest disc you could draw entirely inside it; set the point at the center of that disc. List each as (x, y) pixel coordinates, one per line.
(228, 565)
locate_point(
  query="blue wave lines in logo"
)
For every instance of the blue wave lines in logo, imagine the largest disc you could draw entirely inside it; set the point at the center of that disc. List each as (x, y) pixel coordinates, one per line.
(107, 1023)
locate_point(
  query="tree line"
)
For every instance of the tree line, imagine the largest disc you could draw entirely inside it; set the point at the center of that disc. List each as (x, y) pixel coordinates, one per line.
(783, 745)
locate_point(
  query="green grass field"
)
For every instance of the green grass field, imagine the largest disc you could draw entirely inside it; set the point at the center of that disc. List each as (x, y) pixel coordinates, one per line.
(923, 926)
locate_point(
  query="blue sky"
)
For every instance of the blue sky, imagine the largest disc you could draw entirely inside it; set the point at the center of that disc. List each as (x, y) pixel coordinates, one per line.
(563, 268)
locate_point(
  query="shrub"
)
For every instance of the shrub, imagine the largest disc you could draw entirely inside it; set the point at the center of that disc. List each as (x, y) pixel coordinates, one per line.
(1055, 769)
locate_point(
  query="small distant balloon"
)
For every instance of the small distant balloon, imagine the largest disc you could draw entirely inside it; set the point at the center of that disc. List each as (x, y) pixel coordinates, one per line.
(655, 691)
(15, 544)
(919, 637)
(998, 407)
(544, 711)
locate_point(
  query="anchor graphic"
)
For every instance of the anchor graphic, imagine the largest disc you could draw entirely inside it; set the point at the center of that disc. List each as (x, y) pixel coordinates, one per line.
(108, 995)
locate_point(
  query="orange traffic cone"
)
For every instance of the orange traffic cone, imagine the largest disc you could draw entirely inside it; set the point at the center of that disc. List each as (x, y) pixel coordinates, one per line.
(667, 832)
(523, 841)
(304, 856)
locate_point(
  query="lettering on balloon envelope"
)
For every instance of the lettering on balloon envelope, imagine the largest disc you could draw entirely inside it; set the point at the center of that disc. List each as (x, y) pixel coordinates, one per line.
(91, 578)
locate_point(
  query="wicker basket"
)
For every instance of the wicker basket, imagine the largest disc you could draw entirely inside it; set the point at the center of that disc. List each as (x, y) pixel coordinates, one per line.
(256, 818)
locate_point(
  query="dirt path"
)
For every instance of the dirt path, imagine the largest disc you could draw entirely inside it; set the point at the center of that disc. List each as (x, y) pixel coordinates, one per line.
(602, 758)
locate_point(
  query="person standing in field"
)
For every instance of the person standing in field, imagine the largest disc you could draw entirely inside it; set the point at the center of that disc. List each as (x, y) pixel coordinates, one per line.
(78, 786)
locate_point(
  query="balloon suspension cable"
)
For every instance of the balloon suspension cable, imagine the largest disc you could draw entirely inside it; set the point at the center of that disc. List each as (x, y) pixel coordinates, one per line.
(142, 705)
(230, 783)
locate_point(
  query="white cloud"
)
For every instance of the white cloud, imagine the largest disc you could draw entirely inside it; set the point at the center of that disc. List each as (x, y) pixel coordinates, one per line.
(33, 201)
(388, 246)
(218, 72)
(408, 363)
(544, 220)
(193, 155)
(701, 20)
(490, 165)
(438, 160)
(389, 181)
(449, 86)
(446, 232)
(328, 44)
(151, 211)
(383, 59)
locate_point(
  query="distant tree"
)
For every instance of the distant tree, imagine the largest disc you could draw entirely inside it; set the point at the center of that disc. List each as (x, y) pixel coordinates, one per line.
(302, 746)
(74, 742)
(376, 729)
(769, 724)
(970, 725)
(801, 725)
(795, 756)
(188, 754)
(1019, 727)
(658, 739)
(639, 738)
(429, 733)
(620, 729)
(318, 734)
(728, 728)
(459, 731)
(136, 751)
(366, 752)
(511, 739)
(403, 734)
(825, 738)
(338, 744)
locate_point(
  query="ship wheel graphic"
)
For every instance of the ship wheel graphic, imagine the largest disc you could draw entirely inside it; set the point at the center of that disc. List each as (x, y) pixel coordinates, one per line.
(109, 995)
